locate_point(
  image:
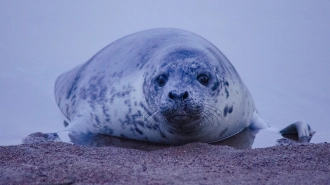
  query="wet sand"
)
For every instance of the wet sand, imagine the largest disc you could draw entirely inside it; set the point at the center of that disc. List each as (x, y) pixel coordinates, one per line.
(195, 163)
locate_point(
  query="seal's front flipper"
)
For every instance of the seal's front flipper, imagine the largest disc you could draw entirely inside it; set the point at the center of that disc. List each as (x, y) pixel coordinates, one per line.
(299, 131)
(257, 123)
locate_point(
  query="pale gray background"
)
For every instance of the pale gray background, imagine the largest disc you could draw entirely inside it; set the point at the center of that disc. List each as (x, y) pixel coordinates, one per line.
(281, 49)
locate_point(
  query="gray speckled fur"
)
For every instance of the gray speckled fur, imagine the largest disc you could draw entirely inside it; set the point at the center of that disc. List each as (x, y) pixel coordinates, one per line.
(114, 93)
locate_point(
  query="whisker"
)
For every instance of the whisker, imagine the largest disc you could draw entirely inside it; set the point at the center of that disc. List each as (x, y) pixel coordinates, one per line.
(214, 109)
(213, 119)
(207, 118)
(150, 118)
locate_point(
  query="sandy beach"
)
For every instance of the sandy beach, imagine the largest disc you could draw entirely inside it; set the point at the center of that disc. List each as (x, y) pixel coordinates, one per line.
(51, 162)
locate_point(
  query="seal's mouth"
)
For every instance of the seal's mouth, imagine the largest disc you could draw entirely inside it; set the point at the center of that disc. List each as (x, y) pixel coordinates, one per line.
(184, 124)
(181, 118)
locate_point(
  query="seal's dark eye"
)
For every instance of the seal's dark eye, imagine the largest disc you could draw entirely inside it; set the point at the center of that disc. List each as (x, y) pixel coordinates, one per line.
(161, 80)
(203, 79)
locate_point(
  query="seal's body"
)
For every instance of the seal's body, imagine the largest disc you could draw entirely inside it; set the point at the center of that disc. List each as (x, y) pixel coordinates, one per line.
(165, 86)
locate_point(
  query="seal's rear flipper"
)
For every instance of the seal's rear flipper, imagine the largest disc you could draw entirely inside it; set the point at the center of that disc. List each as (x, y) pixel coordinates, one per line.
(299, 131)
(39, 137)
(75, 127)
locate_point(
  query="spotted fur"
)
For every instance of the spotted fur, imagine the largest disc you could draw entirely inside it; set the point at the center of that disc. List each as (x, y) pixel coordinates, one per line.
(161, 85)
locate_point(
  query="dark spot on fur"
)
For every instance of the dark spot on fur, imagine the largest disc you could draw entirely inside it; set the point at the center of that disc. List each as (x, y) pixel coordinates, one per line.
(102, 95)
(230, 110)
(67, 110)
(227, 110)
(140, 123)
(127, 102)
(99, 81)
(162, 134)
(83, 93)
(108, 130)
(216, 85)
(73, 87)
(92, 90)
(97, 120)
(93, 97)
(156, 119)
(226, 83)
(138, 131)
(65, 123)
(128, 119)
(227, 93)
(155, 127)
(149, 126)
(144, 58)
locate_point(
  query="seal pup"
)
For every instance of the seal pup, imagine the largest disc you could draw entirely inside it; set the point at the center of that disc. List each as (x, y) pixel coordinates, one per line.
(166, 86)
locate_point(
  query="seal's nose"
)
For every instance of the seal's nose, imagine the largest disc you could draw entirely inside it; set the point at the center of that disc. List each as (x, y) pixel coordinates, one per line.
(175, 95)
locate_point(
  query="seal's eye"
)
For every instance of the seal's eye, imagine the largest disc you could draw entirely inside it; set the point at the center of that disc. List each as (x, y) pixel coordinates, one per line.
(203, 79)
(161, 80)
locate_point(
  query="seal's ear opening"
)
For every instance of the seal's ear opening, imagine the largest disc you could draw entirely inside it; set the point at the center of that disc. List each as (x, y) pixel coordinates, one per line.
(298, 131)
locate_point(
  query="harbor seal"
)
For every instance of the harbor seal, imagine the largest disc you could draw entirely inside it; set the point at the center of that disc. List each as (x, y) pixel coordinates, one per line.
(166, 86)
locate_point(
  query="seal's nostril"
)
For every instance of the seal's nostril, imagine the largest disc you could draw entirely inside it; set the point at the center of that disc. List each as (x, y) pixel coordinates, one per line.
(185, 95)
(170, 95)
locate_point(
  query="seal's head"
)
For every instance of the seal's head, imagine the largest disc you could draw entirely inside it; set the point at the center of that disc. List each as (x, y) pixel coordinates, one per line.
(181, 91)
